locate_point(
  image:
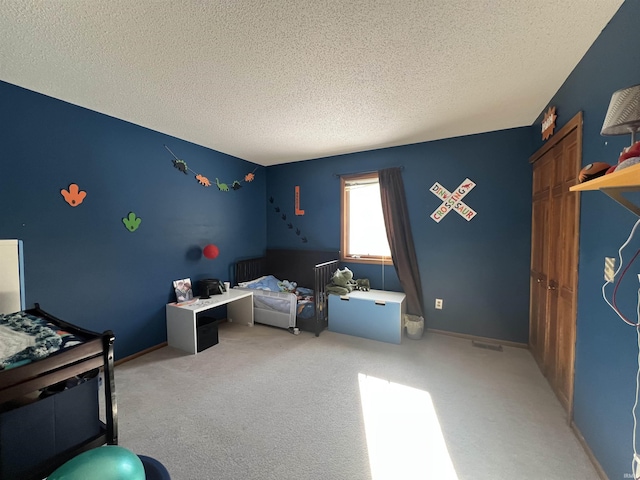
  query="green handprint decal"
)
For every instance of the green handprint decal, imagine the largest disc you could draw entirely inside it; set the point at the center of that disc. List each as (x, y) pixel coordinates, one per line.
(132, 222)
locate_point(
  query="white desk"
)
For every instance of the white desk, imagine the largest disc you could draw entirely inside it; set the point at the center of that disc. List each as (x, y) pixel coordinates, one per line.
(181, 317)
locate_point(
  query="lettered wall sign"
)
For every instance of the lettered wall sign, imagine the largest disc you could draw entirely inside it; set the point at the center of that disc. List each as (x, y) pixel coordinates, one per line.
(453, 201)
(549, 123)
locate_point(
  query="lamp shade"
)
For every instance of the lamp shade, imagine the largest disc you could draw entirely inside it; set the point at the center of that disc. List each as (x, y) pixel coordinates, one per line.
(623, 115)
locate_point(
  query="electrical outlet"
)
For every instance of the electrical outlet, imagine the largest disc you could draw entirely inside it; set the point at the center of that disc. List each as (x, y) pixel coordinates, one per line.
(609, 269)
(438, 304)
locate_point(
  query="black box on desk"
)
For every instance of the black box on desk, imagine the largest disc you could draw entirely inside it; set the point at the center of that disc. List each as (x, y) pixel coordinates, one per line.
(206, 332)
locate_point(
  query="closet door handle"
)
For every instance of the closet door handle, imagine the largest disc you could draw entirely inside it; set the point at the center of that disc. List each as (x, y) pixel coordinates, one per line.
(551, 287)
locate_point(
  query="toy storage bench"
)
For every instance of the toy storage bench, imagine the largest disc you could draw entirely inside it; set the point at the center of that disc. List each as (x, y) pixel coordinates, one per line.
(376, 314)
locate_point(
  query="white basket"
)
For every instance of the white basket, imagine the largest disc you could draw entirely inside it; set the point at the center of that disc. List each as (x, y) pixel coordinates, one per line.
(414, 325)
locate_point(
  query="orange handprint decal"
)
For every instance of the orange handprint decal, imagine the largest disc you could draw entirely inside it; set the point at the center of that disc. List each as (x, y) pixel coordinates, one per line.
(74, 196)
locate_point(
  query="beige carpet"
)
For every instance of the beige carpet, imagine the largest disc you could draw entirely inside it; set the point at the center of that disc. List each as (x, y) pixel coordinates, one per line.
(265, 404)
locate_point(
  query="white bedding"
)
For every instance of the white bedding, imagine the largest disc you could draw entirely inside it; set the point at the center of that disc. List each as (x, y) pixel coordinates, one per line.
(279, 302)
(271, 296)
(277, 309)
(13, 341)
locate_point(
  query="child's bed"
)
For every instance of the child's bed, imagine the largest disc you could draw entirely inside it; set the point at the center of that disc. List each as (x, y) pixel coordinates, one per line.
(49, 407)
(306, 307)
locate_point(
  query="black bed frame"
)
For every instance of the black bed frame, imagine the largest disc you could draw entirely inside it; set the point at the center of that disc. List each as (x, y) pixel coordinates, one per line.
(309, 268)
(95, 353)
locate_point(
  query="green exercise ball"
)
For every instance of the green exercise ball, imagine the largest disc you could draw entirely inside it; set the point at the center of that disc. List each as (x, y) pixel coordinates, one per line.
(103, 463)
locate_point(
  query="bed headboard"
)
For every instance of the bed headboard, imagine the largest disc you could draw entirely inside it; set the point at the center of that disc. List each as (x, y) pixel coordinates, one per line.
(285, 264)
(250, 269)
(297, 265)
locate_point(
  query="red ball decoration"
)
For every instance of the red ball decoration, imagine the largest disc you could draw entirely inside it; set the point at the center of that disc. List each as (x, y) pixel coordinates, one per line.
(210, 251)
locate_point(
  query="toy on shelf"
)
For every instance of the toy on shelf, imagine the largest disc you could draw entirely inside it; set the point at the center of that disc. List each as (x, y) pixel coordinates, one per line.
(593, 170)
(629, 156)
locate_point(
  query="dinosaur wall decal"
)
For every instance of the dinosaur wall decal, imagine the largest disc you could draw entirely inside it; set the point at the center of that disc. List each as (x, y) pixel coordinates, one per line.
(182, 166)
(223, 187)
(290, 226)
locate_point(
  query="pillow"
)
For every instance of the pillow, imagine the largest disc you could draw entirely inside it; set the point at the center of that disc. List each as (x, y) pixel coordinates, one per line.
(267, 282)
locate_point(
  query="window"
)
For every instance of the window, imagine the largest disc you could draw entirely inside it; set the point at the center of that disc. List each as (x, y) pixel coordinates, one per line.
(364, 237)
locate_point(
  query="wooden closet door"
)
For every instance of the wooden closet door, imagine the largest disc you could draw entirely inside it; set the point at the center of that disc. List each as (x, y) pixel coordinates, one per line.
(542, 175)
(554, 259)
(565, 274)
(556, 247)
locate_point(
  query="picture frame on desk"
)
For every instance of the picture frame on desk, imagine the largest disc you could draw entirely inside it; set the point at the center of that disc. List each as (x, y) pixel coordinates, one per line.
(183, 289)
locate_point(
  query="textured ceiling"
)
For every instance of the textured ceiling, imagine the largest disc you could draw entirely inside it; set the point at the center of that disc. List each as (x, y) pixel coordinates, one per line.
(276, 81)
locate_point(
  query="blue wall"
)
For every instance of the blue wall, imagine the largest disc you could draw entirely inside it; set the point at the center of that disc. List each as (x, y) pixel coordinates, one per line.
(84, 266)
(480, 268)
(81, 263)
(606, 350)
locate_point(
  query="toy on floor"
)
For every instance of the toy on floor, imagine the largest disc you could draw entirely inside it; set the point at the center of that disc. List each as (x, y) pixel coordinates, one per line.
(109, 462)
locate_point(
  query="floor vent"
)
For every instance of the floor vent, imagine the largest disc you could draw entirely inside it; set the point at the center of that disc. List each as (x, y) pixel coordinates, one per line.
(489, 346)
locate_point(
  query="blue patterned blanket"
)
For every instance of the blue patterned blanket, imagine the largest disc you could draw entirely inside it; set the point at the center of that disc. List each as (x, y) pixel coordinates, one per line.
(25, 338)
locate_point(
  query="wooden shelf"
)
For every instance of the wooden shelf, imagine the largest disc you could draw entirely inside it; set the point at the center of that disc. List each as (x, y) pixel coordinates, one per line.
(626, 178)
(614, 185)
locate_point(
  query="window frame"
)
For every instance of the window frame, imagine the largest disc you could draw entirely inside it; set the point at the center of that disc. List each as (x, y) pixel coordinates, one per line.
(344, 222)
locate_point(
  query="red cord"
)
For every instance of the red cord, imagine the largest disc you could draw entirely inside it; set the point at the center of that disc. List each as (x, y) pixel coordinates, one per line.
(615, 291)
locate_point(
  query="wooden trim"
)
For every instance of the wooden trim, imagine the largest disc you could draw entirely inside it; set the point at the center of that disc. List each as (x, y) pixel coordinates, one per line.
(344, 220)
(575, 122)
(369, 260)
(50, 378)
(576, 249)
(141, 353)
(493, 341)
(588, 451)
(344, 204)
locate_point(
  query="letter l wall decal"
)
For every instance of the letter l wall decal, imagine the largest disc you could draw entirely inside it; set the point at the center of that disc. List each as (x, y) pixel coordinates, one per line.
(298, 211)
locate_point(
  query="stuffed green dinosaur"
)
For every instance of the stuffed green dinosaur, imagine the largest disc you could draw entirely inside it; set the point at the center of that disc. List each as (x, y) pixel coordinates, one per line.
(342, 282)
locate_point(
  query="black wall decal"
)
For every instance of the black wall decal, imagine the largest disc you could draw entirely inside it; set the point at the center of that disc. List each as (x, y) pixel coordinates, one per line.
(290, 225)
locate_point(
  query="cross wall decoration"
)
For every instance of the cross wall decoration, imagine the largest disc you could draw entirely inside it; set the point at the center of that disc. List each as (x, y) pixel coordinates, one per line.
(452, 201)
